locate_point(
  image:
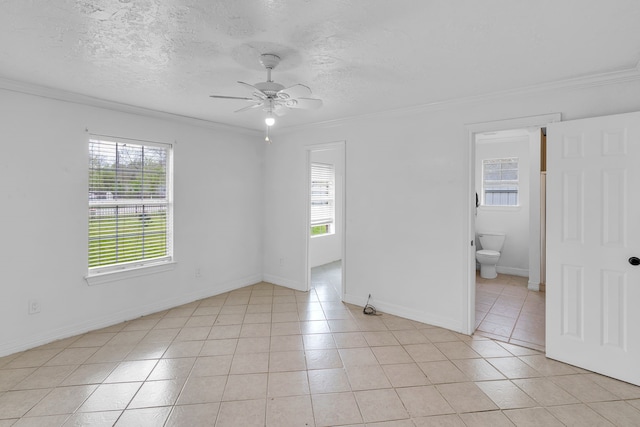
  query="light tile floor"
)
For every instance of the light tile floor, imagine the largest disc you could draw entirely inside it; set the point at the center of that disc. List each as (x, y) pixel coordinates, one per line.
(507, 311)
(269, 356)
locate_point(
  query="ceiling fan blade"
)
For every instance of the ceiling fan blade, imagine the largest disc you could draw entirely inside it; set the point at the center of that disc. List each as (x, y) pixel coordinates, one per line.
(230, 97)
(254, 90)
(304, 103)
(249, 107)
(295, 91)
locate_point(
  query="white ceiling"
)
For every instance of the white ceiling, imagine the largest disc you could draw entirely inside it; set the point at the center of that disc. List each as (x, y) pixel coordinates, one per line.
(358, 56)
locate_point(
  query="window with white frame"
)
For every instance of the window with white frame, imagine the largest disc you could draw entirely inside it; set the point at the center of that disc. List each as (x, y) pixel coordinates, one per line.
(130, 204)
(322, 199)
(500, 182)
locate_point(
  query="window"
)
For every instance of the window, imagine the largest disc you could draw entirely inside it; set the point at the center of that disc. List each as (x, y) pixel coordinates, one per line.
(322, 199)
(130, 221)
(500, 182)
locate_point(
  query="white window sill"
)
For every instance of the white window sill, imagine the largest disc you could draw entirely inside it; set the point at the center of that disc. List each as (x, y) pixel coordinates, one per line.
(323, 235)
(500, 208)
(114, 276)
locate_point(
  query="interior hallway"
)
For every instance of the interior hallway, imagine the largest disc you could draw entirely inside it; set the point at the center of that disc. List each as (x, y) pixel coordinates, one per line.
(507, 311)
(265, 355)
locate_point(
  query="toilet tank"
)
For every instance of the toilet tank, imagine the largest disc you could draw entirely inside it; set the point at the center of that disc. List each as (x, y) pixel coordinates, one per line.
(492, 241)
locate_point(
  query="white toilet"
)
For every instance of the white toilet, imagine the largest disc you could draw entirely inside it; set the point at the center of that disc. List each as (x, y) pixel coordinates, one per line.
(489, 255)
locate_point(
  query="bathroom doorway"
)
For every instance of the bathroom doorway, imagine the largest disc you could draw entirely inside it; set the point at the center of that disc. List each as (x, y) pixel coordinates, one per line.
(509, 307)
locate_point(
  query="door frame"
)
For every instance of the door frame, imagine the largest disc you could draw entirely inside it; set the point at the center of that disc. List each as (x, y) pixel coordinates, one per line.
(337, 145)
(469, 291)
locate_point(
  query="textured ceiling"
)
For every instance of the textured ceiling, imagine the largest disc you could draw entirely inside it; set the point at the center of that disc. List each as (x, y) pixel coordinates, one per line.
(360, 56)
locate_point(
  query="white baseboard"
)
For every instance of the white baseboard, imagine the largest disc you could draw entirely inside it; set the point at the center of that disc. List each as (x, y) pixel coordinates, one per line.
(522, 272)
(407, 313)
(281, 281)
(121, 316)
(533, 286)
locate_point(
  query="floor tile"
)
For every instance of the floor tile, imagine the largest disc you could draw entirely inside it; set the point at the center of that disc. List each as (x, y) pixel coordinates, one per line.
(93, 419)
(193, 415)
(478, 369)
(202, 390)
(466, 397)
(583, 388)
(578, 415)
(532, 417)
(506, 395)
(246, 413)
(424, 401)
(14, 404)
(291, 411)
(212, 365)
(44, 377)
(619, 413)
(424, 352)
(110, 397)
(62, 400)
(168, 369)
(545, 392)
(318, 342)
(380, 405)
(335, 409)
(281, 384)
(513, 367)
(367, 377)
(486, 419)
(146, 417)
(405, 375)
(245, 387)
(131, 371)
(157, 393)
(328, 381)
(388, 355)
(357, 357)
(443, 371)
(282, 361)
(249, 363)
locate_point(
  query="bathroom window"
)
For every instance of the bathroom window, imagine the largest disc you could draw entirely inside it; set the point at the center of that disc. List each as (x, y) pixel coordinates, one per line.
(500, 182)
(322, 199)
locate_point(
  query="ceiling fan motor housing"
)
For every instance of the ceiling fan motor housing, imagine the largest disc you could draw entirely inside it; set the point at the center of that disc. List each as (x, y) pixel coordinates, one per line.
(269, 88)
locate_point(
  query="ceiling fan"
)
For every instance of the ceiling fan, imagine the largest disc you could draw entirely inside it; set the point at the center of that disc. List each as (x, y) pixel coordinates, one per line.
(273, 97)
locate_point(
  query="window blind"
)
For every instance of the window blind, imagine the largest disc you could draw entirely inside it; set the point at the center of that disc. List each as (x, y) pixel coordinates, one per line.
(130, 220)
(322, 194)
(500, 182)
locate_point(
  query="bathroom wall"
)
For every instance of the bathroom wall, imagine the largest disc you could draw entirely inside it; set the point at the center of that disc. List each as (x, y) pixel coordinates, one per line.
(511, 220)
(328, 248)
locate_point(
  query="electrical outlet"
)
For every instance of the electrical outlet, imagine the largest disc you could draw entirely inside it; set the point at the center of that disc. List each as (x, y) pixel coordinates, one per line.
(281, 262)
(34, 306)
(198, 273)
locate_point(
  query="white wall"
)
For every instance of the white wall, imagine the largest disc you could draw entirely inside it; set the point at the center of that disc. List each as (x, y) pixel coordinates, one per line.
(412, 255)
(324, 249)
(43, 176)
(511, 220)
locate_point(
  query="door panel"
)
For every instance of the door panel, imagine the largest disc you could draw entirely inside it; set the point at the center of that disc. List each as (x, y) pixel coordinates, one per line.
(593, 217)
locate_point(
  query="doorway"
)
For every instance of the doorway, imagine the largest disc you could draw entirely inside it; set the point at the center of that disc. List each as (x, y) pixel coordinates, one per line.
(325, 219)
(508, 308)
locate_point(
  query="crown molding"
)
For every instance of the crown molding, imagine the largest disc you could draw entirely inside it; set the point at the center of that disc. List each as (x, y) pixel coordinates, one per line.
(582, 82)
(76, 98)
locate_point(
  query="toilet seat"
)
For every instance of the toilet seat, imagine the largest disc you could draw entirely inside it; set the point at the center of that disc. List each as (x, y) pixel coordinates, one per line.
(488, 252)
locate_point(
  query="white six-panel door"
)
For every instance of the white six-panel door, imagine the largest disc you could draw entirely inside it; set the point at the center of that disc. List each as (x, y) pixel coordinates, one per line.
(593, 229)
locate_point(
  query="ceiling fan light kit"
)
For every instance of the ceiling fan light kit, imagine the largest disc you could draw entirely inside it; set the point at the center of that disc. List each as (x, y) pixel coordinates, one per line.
(274, 98)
